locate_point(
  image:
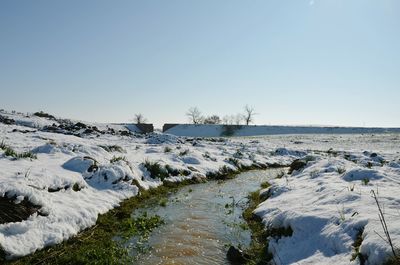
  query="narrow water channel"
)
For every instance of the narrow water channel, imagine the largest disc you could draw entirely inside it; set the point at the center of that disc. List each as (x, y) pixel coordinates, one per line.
(201, 221)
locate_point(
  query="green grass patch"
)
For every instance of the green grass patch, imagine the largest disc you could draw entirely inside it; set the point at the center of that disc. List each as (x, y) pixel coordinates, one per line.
(265, 185)
(8, 151)
(258, 250)
(96, 245)
(156, 170)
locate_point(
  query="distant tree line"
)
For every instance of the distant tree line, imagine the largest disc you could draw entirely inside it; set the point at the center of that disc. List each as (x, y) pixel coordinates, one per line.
(195, 116)
(246, 117)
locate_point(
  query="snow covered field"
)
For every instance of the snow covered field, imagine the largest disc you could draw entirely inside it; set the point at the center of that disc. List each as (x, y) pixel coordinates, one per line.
(76, 177)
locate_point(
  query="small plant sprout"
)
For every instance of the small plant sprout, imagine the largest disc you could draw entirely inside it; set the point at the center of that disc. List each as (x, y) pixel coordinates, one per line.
(118, 158)
(365, 181)
(340, 170)
(351, 188)
(167, 149)
(341, 212)
(385, 228)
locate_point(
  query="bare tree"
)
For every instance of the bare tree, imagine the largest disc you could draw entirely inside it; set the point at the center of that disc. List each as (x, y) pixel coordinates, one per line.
(139, 118)
(238, 118)
(213, 119)
(194, 115)
(249, 114)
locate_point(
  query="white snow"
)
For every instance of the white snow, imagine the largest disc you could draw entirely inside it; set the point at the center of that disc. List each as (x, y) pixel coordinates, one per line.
(325, 204)
(326, 208)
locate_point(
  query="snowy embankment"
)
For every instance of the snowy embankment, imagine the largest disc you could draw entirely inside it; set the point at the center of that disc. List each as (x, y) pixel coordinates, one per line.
(329, 203)
(208, 130)
(71, 179)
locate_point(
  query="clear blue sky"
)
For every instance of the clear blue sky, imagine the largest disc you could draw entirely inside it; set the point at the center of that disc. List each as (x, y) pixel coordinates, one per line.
(333, 62)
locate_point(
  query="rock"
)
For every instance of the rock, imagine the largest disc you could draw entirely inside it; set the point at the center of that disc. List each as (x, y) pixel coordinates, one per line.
(6, 120)
(125, 133)
(235, 256)
(297, 165)
(373, 155)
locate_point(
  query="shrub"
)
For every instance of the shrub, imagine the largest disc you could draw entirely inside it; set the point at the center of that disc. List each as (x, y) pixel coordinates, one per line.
(156, 170)
(229, 130)
(167, 149)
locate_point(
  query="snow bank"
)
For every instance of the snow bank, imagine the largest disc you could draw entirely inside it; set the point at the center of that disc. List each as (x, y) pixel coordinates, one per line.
(327, 204)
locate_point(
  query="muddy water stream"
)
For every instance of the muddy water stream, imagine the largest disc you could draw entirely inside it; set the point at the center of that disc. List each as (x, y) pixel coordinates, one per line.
(201, 221)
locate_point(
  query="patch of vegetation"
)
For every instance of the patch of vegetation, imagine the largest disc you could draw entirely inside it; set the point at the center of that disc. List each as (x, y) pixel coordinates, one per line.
(340, 170)
(8, 151)
(142, 225)
(357, 243)
(229, 130)
(3, 145)
(172, 171)
(207, 155)
(258, 253)
(235, 162)
(365, 181)
(265, 185)
(258, 250)
(156, 170)
(112, 148)
(184, 152)
(118, 158)
(163, 202)
(167, 149)
(76, 187)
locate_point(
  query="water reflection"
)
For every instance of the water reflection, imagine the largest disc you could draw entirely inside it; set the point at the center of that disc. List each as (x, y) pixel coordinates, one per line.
(201, 221)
